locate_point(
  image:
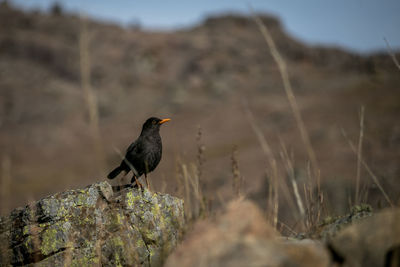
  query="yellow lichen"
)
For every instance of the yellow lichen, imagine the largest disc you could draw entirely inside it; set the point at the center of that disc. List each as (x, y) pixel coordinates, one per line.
(26, 229)
(28, 244)
(140, 243)
(131, 199)
(49, 241)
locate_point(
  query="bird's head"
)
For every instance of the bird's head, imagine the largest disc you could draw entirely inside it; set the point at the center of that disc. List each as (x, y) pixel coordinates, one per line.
(153, 124)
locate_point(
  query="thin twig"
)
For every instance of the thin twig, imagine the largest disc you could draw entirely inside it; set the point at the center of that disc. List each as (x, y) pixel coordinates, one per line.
(391, 53)
(260, 136)
(359, 156)
(134, 171)
(186, 181)
(273, 177)
(374, 178)
(290, 171)
(294, 233)
(237, 177)
(288, 89)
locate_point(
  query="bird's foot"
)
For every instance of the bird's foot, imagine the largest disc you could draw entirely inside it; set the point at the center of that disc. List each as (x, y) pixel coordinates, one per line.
(137, 184)
(147, 183)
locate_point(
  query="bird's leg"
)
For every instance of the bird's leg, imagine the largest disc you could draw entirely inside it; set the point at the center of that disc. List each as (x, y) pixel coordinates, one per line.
(137, 182)
(147, 182)
(145, 175)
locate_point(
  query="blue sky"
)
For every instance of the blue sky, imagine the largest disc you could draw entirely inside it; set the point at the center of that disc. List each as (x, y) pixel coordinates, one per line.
(359, 25)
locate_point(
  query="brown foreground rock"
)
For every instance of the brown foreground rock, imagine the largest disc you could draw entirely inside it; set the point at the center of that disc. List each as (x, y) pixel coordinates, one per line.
(93, 227)
(373, 241)
(242, 237)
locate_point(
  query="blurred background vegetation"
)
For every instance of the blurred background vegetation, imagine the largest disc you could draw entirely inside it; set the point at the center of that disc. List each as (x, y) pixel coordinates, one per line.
(73, 90)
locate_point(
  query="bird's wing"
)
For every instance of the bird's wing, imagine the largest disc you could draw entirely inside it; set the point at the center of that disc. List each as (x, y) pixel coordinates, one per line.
(133, 155)
(135, 148)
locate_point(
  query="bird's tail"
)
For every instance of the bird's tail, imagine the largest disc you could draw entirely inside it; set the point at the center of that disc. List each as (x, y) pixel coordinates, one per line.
(114, 172)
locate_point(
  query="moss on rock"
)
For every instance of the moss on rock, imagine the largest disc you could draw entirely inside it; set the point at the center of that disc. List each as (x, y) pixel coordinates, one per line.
(93, 226)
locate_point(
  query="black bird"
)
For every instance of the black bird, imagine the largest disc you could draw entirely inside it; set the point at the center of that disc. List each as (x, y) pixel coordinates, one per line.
(143, 155)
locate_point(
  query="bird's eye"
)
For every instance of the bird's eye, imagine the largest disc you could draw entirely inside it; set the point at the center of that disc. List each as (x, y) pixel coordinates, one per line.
(154, 122)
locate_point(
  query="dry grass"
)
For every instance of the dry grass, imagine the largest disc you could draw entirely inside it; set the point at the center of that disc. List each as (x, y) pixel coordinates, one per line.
(271, 171)
(314, 201)
(126, 91)
(188, 177)
(359, 157)
(195, 203)
(237, 179)
(289, 91)
(301, 198)
(290, 171)
(391, 53)
(304, 199)
(368, 169)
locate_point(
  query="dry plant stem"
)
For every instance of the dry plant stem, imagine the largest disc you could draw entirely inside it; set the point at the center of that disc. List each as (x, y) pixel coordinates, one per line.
(288, 228)
(285, 188)
(194, 182)
(290, 171)
(288, 90)
(89, 94)
(359, 156)
(313, 202)
(260, 136)
(134, 171)
(200, 152)
(180, 188)
(276, 196)
(237, 178)
(200, 207)
(187, 190)
(390, 51)
(374, 178)
(197, 171)
(273, 194)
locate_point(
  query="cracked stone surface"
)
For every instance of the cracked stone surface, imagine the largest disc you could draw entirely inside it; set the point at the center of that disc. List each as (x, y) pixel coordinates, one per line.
(93, 226)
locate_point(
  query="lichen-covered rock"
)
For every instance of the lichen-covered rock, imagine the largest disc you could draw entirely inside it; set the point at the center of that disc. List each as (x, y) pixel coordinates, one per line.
(330, 226)
(93, 226)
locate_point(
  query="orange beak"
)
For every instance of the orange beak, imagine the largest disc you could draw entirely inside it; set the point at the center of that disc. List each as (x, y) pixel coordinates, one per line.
(164, 120)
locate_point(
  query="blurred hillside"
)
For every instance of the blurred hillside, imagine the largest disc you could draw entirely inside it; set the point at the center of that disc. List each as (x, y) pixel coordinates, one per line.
(199, 77)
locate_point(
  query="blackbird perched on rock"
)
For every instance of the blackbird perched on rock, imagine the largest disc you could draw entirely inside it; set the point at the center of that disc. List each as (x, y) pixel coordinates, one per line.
(143, 155)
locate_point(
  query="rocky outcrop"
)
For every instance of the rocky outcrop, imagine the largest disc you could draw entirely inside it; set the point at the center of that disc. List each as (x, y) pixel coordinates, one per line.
(93, 226)
(373, 241)
(241, 236)
(330, 226)
(97, 226)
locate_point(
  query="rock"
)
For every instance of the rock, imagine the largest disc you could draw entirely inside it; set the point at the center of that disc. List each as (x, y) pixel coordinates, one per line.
(93, 226)
(241, 236)
(373, 241)
(330, 226)
(306, 252)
